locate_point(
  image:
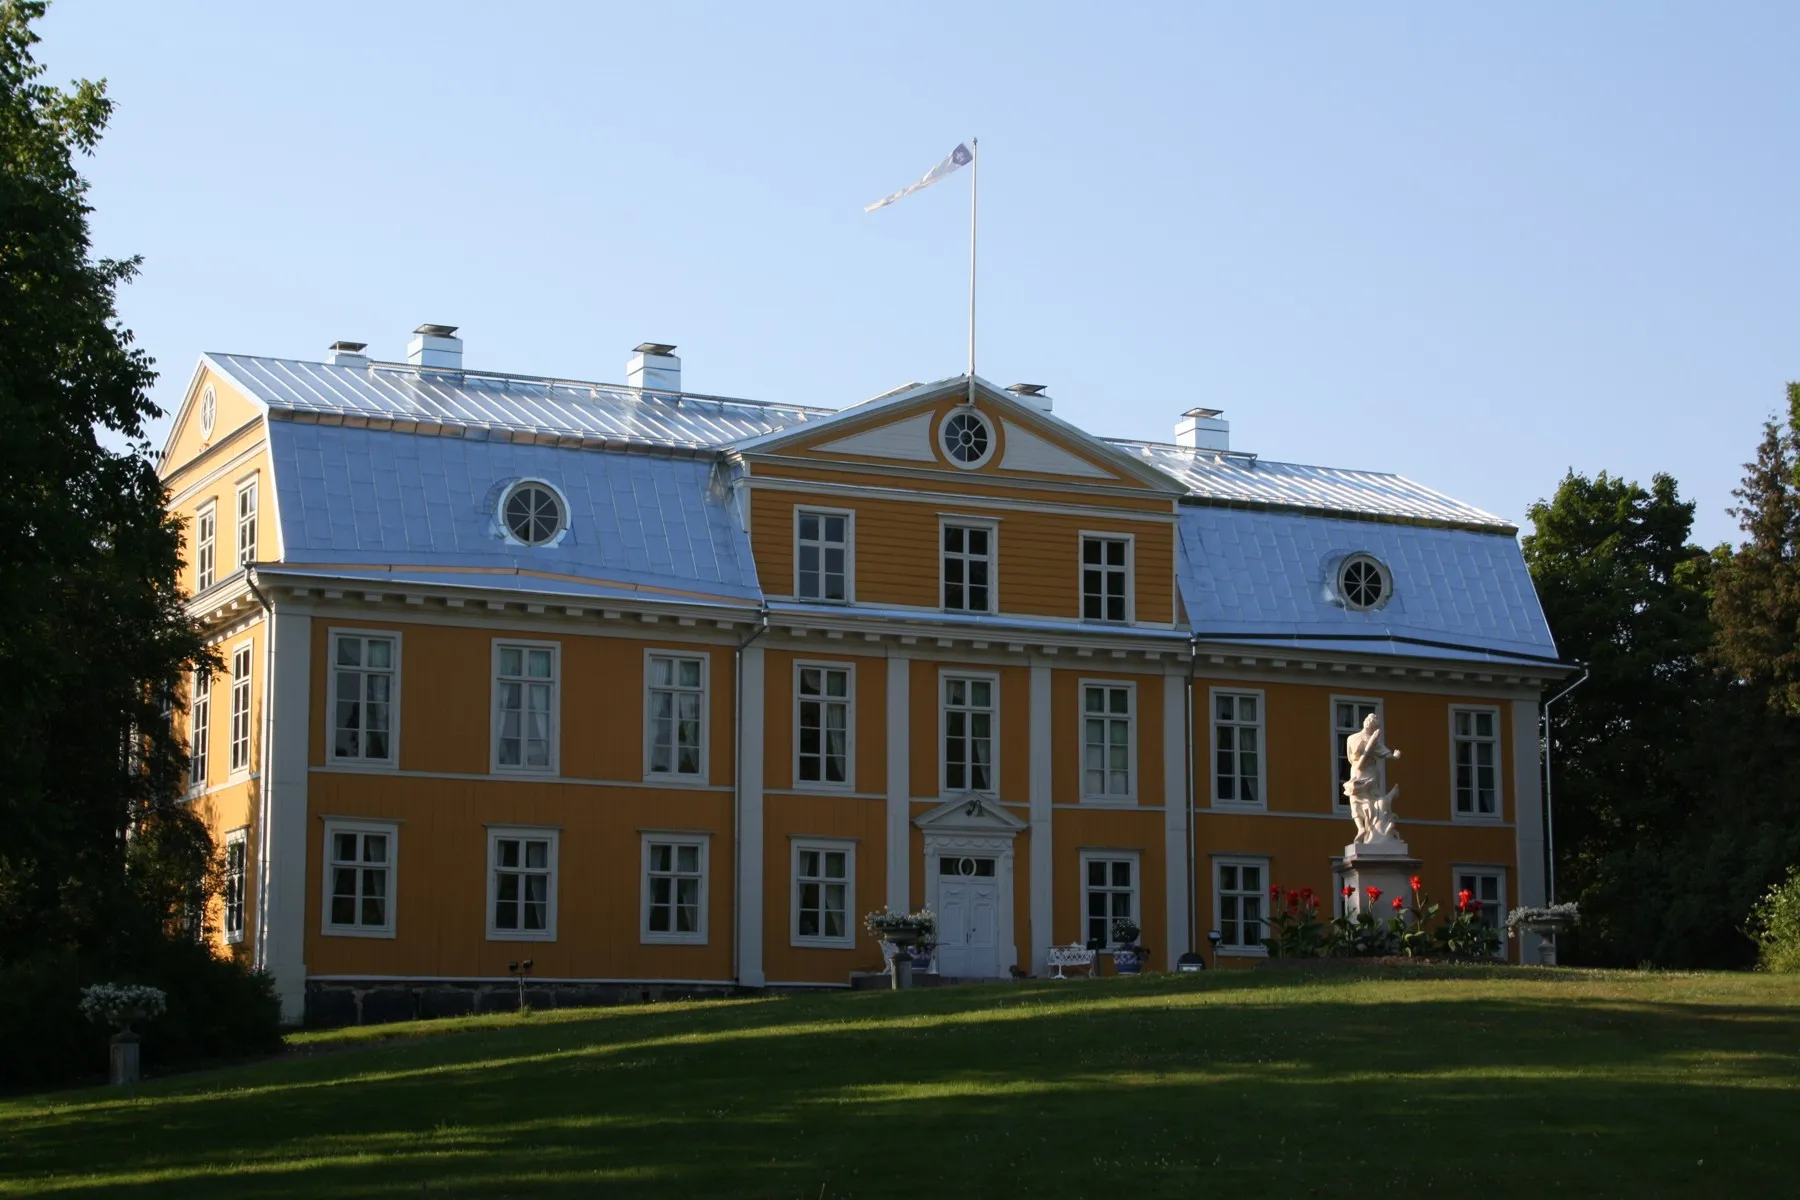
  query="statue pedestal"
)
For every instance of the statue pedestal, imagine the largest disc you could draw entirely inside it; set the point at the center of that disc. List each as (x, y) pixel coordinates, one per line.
(1388, 865)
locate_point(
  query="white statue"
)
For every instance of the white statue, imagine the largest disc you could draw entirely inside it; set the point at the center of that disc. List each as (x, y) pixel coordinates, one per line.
(1373, 811)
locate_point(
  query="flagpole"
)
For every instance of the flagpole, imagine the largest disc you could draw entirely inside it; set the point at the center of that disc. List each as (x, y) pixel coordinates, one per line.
(974, 194)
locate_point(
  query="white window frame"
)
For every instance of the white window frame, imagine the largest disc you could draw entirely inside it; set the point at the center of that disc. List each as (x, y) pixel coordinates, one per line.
(199, 731)
(1130, 794)
(684, 778)
(389, 829)
(796, 881)
(331, 697)
(536, 833)
(245, 521)
(238, 839)
(1136, 890)
(1130, 569)
(1499, 813)
(703, 842)
(849, 703)
(243, 707)
(1497, 907)
(992, 558)
(494, 711)
(1341, 803)
(992, 678)
(849, 518)
(987, 423)
(206, 546)
(1261, 892)
(1261, 725)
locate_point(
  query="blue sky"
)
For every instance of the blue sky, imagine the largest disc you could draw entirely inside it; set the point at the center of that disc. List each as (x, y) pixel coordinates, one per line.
(1476, 245)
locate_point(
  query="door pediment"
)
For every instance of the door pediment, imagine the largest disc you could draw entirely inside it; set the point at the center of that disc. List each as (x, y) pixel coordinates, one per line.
(970, 815)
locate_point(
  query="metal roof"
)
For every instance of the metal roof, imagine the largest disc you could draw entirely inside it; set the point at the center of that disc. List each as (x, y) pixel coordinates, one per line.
(1211, 475)
(475, 401)
(1267, 575)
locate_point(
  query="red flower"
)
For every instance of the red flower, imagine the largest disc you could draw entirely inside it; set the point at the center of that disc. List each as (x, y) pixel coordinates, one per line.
(1374, 894)
(1415, 883)
(1399, 904)
(1475, 906)
(1274, 891)
(1349, 891)
(1462, 899)
(1306, 893)
(1312, 901)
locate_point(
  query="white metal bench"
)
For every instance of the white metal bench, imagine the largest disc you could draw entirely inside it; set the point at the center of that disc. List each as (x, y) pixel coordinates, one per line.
(1072, 955)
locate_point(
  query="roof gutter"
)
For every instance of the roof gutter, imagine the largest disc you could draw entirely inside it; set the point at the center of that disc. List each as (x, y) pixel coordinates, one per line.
(1549, 806)
(1520, 656)
(265, 783)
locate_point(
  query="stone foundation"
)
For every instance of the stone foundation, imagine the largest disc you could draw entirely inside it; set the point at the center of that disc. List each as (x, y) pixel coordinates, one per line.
(336, 1002)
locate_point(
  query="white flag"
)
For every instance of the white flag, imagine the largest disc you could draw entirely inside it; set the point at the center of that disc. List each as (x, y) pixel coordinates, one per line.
(959, 157)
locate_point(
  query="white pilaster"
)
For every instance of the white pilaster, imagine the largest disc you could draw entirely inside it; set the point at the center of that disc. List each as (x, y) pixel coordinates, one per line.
(282, 923)
(899, 782)
(750, 817)
(1175, 816)
(1528, 814)
(1043, 733)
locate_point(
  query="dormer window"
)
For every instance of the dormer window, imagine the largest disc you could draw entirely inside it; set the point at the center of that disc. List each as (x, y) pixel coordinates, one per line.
(1363, 582)
(822, 555)
(533, 513)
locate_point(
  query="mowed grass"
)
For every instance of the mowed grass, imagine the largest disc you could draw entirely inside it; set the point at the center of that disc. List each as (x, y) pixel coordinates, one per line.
(1420, 1082)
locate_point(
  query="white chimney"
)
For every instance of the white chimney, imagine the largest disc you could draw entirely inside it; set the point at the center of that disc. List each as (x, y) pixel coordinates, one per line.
(653, 367)
(349, 354)
(1032, 394)
(435, 346)
(1201, 429)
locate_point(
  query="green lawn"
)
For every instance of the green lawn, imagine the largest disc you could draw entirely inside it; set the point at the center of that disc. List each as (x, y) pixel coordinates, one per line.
(1419, 1082)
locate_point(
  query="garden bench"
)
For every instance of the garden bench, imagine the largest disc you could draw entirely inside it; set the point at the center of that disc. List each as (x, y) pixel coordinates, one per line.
(1072, 955)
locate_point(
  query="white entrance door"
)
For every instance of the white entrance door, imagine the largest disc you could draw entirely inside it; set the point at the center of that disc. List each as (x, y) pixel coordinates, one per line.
(968, 918)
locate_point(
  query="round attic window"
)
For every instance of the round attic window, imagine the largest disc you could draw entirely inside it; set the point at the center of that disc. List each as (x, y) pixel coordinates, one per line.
(533, 513)
(209, 412)
(967, 437)
(1364, 582)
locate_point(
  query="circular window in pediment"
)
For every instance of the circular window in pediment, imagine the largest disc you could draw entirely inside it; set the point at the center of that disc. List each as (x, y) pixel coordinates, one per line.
(1363, 582)
(209, 412)
(967, 438)
(533, 513)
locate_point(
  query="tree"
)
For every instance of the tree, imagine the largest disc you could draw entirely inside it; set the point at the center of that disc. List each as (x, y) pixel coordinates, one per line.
(95, 849)
(1757, 598)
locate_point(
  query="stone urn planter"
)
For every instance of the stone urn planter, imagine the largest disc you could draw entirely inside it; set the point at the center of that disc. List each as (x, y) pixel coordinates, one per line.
(904, 937)
(122, 1005)
(1546, 923)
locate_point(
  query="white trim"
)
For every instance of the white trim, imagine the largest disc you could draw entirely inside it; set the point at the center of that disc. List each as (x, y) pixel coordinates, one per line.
(849, 701)
(987, 424)
(992, 526)
(748, 877)
(899, 782)
(1340, 803)
(824, 845)
(513, 777)
(949, 833)
(1098, 854)
(237, 837)
(206, 511)
(849, 515)
(536, 833)
(506, 493)
(555, 713)
(929, 482)
(392, 761)
(646, 935)
(1026, 451)
(1261, 725)
(248, 483)
(1081, 540)
(946, 673)
(1381, 570)
(360, 826)
(1499, 813)
(1041, 787)
(908, 439)
(704, 655)
(1261, 891)
(1528, 813)
(1133, 788)
(281, 839)
(1176, 737)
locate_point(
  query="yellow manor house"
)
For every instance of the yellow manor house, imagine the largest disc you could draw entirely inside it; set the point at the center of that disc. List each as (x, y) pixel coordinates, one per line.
(666, 691)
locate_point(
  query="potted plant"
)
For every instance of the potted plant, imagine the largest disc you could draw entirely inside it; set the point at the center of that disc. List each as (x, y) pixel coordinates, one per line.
(909, 934)
(1128, 956)
(119, 1005)
(1546, 921)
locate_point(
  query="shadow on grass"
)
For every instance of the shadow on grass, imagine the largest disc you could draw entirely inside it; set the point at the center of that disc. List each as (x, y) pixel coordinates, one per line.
(1269, 1084)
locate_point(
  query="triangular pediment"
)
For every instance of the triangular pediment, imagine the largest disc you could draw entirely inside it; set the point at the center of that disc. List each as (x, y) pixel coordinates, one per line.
(912, 429)
(969, 814)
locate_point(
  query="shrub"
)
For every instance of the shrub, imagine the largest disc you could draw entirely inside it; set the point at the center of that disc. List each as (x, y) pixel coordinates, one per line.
(216, 1009)
(1775, 924)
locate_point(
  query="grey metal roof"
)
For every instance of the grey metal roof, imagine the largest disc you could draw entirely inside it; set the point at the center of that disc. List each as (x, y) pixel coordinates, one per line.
(400, 506)
(1265, 575)
(474, 401)
(1243, 479)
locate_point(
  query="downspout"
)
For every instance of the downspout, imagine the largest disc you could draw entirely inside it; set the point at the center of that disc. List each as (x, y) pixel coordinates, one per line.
(1193, 867)
(1549, 807)
(737, 796)
(265, 776)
